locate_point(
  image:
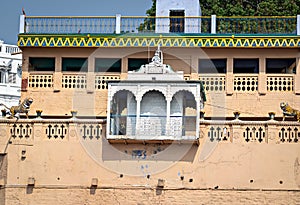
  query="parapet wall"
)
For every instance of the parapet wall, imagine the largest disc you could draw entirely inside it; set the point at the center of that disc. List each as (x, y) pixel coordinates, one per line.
(69, 161)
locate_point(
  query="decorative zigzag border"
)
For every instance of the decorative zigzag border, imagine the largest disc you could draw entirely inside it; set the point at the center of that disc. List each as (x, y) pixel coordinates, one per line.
(165, 41)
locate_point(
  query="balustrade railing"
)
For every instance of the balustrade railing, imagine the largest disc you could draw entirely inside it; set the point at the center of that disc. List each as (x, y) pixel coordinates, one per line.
(101, 80)
(40, 80)
(245, 82)
(54, 130)
(213, 82)
(74, 81)
(173, 24)
(228, 131)
(71, 24)
(257, 25)
(280, 82)
(250, 131)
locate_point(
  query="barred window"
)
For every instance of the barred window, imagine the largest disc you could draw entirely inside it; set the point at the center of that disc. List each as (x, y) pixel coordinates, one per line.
(12, 78)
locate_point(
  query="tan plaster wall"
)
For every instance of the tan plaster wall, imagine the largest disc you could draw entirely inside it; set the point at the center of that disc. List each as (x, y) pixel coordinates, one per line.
(232, 170)
(91, 102)
(226, 165)
(87, 196)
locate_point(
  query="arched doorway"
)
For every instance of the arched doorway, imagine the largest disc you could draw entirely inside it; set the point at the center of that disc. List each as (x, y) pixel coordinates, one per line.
(123, 113)
(183, 114)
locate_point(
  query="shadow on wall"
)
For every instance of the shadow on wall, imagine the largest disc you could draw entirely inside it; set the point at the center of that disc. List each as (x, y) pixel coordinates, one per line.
(149, 152)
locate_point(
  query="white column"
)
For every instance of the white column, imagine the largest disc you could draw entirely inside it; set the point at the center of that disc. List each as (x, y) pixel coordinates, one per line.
(118, 23)
(298, 25)
(108, 124)
(168, 116)
(198, 106)
(262, 77)
(6, 77)
(138, 113)
(213, 24)
(22, 24)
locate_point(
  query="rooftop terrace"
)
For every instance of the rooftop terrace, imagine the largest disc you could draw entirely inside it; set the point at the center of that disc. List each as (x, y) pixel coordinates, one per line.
(86, 31)
(270, 25)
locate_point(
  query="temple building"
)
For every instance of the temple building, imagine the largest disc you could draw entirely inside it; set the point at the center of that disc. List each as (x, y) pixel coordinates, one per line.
(178, 108)
(10, 74)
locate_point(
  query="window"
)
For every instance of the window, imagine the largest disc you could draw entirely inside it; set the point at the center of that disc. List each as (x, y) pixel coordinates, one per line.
(177, 21)
(41, 64)
(284, 65)
(108, 65)
(75, 64)
(212, 65)
(245, 65)
(135, 63)
(12, 78)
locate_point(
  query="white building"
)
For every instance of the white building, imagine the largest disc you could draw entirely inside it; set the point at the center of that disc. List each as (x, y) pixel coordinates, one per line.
(178, 16)
(10, 74)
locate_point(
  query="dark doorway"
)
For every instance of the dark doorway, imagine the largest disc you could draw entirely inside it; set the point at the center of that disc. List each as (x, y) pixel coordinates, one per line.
(177, 21)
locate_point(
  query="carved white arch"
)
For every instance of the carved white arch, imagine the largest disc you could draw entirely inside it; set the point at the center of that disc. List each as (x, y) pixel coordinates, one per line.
(145, 90)
(125, 90)
(184, 90)
(116, 89)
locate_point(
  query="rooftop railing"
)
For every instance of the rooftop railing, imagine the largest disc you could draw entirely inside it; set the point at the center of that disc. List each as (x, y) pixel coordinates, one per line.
(286, 25)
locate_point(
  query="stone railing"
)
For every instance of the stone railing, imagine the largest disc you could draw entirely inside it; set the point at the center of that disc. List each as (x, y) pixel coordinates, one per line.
(245, 82)
(213, 82)
(237, 131)
(101, 80)
(29, 130)
(280, 83)
(74, 81)
(40, 80)
(228, 131)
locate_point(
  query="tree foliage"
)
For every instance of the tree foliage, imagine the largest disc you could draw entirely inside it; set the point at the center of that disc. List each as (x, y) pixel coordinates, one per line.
(152, 10)
(244, 7)
(250, 7)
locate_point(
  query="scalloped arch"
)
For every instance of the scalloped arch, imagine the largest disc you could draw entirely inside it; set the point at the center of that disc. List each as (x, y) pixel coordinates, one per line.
(146, 90)
(117, 91)
(184, 90)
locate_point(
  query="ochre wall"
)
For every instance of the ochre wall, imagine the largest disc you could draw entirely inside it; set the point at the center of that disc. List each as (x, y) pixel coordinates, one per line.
(235, 172)
(90, 102)
(148, 196)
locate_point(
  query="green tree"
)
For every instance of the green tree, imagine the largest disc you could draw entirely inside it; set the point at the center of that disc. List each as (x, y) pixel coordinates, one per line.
(250, 7)
(149, 22)
(244, 7)
(152, 10)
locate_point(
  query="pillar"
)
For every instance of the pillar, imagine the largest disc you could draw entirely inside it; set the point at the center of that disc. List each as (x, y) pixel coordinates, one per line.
(297, 77)
(229, 77)
(262, 77)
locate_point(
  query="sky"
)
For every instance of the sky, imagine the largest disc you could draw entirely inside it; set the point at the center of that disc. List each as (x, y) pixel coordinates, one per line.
(10, 11)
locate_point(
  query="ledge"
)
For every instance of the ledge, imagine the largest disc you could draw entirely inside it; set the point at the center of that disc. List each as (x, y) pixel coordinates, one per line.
(164, 40)
(150, 141)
